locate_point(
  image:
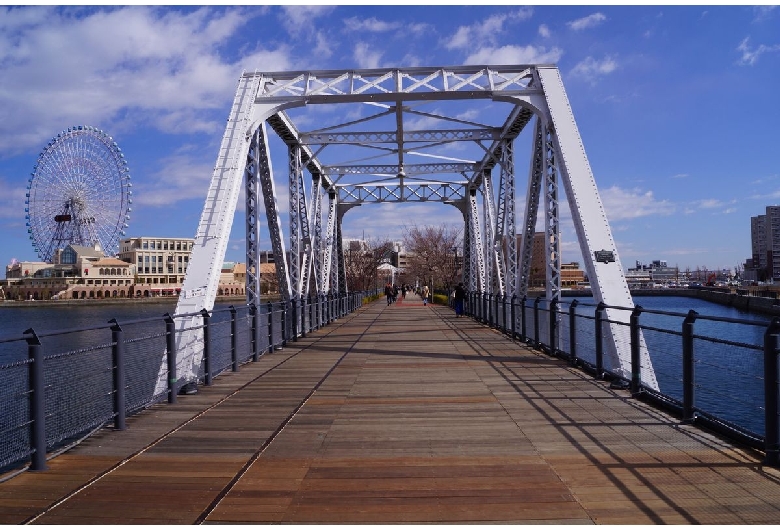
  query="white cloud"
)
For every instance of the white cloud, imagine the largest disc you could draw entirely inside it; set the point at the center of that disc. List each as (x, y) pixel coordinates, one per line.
(371, 25)
(750, 55)
(590, 69)
(544, 31)
(587, 22)
(485, 32)
(299, 19)
(515, 55)
(161, 67)
(365, 57)
(762, 13)
(622, 204)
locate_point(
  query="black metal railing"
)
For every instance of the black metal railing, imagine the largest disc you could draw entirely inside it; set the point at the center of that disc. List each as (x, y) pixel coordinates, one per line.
(56, 387)
(720, 373)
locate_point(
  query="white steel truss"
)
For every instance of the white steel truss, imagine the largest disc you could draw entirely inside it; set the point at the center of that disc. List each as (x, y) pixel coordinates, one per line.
(394, 149)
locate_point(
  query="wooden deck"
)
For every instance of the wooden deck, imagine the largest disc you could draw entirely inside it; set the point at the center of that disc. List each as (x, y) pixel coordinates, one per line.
(400, 414)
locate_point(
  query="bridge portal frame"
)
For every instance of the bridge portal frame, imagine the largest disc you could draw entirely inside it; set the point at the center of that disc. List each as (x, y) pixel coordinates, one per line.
(534, 92)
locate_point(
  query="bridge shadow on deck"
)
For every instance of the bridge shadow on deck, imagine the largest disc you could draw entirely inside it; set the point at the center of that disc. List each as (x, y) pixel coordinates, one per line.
(401, 414)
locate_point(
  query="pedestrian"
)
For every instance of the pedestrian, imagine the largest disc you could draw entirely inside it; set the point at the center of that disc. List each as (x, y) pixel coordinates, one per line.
(425, 293)
(389, 293)
(460, 296)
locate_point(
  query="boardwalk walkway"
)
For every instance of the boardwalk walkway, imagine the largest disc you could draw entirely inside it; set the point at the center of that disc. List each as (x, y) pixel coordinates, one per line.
(400, 414)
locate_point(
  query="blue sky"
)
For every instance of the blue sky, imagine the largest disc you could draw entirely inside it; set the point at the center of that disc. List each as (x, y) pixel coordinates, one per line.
(677, 106)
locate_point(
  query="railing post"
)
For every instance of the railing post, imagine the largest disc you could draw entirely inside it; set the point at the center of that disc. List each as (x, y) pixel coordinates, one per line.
(311, 314)
(573, 332)
(204, 313)
(234, 338)
(553, 326)
(636, 369)
(523, 330)
(505, 328)
(771, 394)
(536, 321)
(255, 331)
(514, 317)
(270, 308)
(303, 316)
(485, 319)
(687, 367)
(599, 334)
(170, 350)
(37, 402)
(118, 360)
(283, 321)
(294, 319)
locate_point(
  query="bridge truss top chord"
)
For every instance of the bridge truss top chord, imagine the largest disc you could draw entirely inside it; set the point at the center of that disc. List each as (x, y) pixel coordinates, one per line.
(421, 134)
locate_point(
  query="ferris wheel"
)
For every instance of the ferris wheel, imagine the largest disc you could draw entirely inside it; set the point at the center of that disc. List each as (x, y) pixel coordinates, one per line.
(78, 193)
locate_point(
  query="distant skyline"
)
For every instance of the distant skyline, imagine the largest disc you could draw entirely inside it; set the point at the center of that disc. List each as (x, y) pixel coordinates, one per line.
(677, 105)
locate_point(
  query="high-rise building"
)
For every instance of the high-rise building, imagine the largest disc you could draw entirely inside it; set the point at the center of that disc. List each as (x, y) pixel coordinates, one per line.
(765, 243)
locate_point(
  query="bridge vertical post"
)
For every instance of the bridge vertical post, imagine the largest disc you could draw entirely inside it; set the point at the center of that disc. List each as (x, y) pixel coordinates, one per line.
(771, 393)
(636, 369)
(553, 326)
(37, 385)
(118, 360)
(573, 332)
(170, 350)
(599, 334)
(234, 338)
(270, 312)
(523, 329)
(688, 366)
(536, 321)
(204, 313)
(513, 316)
(255, 331)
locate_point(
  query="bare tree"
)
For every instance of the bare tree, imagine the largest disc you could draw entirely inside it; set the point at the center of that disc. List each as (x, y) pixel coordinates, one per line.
(361, 259)
(433, 255)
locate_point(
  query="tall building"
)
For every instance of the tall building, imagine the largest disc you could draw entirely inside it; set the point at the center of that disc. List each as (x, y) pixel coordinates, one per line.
(571, 273)
(765, 243)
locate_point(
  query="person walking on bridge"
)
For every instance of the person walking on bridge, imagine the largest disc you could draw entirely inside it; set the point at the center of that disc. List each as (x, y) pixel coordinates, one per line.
(425, 293)
(460, 296)
(389, 293)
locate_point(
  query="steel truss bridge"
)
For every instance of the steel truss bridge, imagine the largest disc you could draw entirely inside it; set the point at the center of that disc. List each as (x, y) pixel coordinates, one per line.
(400, 135)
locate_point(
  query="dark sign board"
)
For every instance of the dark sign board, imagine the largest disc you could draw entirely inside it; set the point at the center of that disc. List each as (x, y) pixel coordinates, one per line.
(604, 256)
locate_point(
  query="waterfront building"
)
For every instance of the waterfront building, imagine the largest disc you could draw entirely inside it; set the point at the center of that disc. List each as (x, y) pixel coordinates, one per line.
(145, 267)
(655, 274)
(78, 272)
